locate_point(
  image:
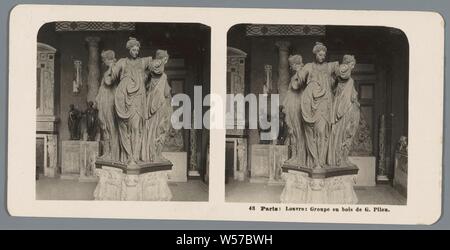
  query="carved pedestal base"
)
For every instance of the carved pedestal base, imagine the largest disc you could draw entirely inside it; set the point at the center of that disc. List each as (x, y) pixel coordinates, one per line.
(146, 183)
(319, 186)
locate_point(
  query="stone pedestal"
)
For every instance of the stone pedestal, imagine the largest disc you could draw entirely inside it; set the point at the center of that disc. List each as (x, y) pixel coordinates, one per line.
(144, 182)
(266, 163)
(179, 169)
(78, 160)
(319, 186)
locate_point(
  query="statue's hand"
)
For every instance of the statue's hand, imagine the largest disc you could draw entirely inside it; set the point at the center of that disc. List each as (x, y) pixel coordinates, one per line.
(295, 83)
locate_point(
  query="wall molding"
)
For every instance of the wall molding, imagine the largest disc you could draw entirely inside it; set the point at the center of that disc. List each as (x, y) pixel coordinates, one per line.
(94, 26)
(284, 30)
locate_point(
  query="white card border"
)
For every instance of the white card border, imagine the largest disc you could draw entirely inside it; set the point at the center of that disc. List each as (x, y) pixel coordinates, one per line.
(425, 32)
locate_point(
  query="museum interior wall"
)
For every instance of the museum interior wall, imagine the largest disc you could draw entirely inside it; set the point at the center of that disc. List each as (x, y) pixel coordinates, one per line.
(381, 79)
(78, 47)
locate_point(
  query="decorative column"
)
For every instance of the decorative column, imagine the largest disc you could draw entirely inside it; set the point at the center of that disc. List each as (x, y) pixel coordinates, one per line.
(93, 67)
(283, 68)
(382, 171)
(193, 168)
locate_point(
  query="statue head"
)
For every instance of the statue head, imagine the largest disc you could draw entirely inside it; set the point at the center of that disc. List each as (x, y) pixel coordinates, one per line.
(295, 62)
(159, 62)
(71, 106)
(108, 57)
(157, 66)
(344, 71)
(320, 51)
(349, 60)
(162, 55)
(133, 46)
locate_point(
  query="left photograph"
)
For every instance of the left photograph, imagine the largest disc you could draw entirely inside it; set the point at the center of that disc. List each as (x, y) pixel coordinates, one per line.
(114, 111)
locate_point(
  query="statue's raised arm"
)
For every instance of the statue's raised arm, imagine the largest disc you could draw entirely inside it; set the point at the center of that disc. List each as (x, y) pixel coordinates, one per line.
(333, 68)
(147, 62)
(300, 77)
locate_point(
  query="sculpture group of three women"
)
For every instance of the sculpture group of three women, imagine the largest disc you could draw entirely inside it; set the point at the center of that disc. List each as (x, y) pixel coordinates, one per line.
(134, 103)
(322, 110)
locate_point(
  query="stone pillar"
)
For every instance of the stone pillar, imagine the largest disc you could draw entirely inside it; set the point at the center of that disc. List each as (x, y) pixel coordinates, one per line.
(382, 171)
(93, 67)
(193, 168)
(52, 156)
(283, 68)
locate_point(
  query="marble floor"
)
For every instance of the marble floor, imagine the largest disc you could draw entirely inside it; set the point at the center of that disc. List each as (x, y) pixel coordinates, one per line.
(262, 193)
(57, 189)
(196, 190)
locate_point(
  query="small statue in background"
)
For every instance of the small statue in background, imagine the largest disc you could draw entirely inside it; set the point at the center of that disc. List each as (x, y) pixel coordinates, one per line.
(91, 121)
(283, 128)
(403, 145)
(74, 123)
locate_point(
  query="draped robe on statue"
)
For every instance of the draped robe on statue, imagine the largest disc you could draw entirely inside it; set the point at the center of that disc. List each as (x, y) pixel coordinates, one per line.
(345, 117)
(316, 106)
(107, 117)
(158, 114)
(292, 109)
(129, 103)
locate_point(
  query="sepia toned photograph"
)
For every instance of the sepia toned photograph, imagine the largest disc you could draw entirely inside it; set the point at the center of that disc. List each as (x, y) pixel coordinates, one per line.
(332, 114)
(232, 114)
(104, 109)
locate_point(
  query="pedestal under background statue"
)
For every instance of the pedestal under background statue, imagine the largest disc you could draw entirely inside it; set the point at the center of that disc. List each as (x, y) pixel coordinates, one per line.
(329, 118)
(141, 115)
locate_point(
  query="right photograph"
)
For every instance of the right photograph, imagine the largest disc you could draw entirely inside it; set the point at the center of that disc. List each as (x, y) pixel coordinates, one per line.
(317, 114)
